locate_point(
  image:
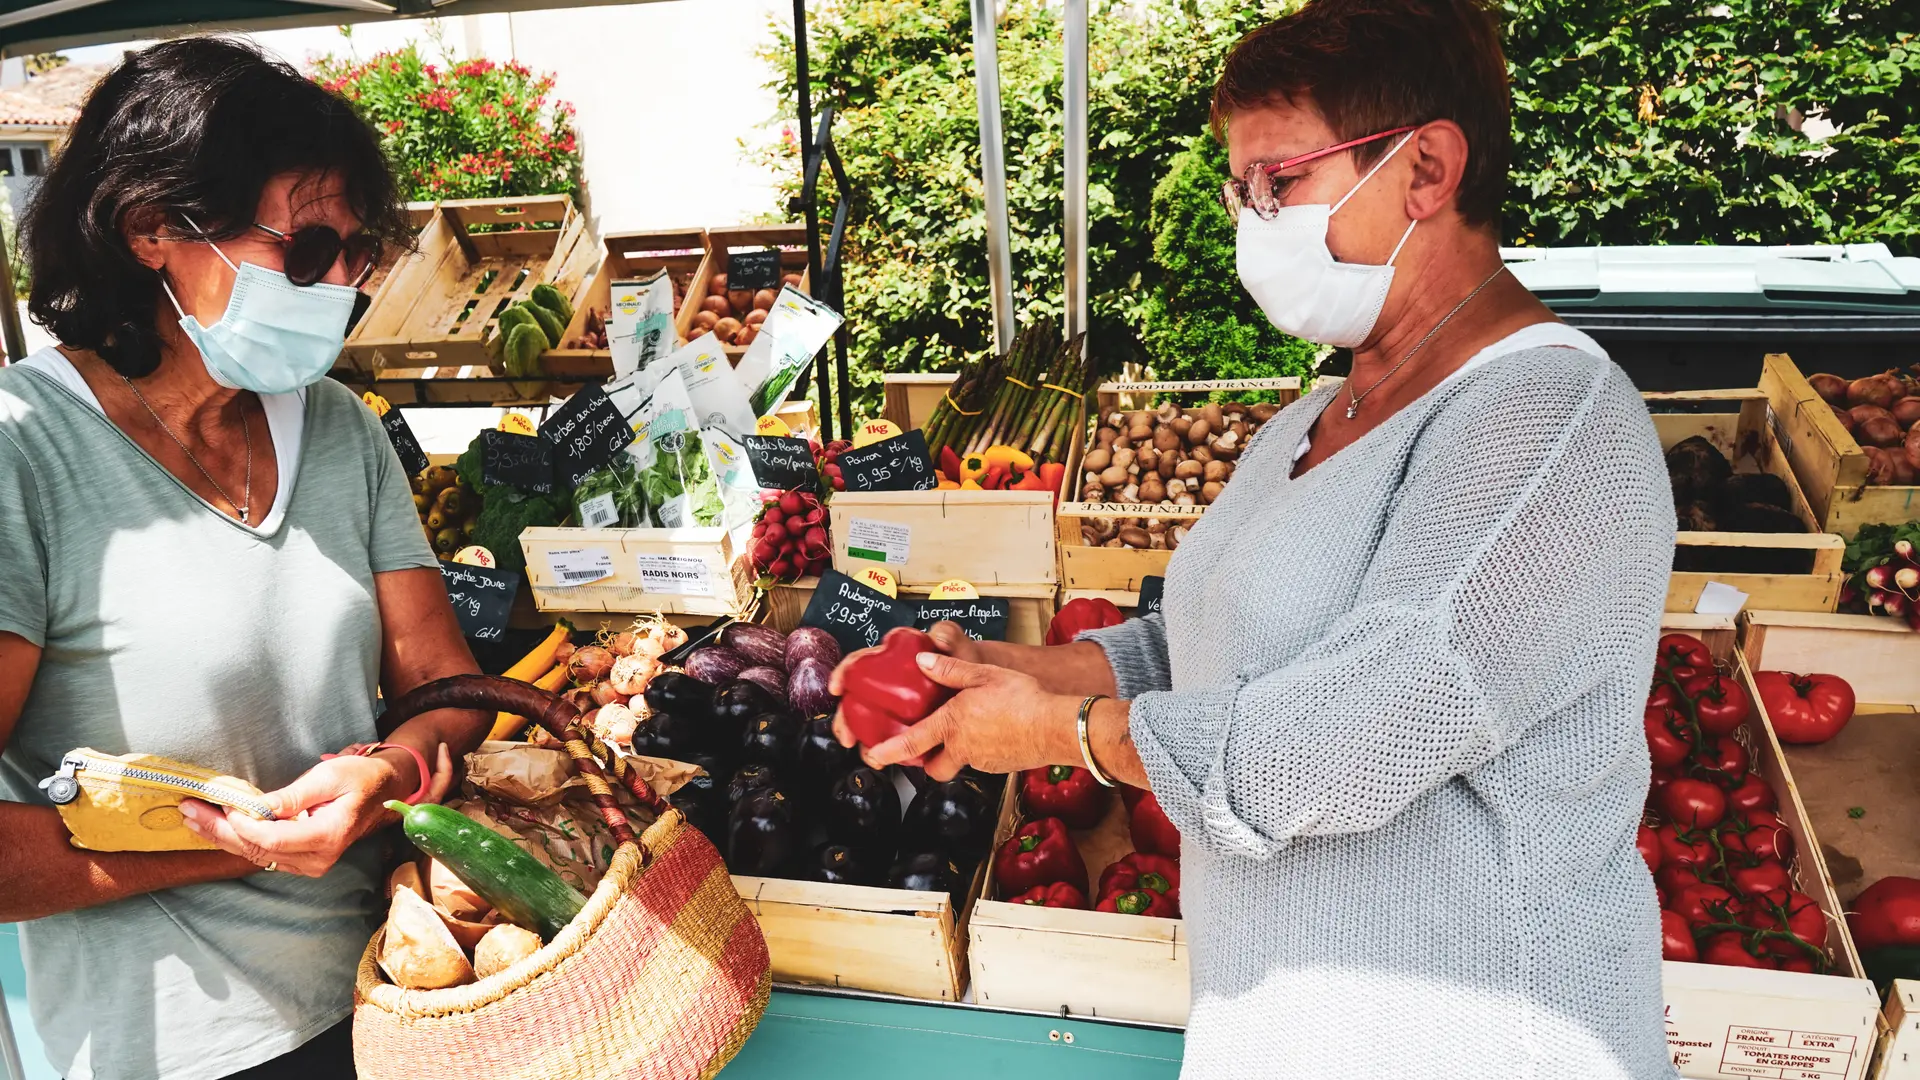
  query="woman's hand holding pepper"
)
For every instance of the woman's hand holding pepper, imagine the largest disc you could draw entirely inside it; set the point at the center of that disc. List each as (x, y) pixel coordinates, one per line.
(1001, 721)
(321, 814)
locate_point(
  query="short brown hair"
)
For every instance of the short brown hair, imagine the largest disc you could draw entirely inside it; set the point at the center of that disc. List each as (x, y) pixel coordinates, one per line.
(1372, 65)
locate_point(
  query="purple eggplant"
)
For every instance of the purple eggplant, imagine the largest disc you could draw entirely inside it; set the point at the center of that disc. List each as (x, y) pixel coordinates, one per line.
(811, 642)
(759, 644)
(807, 687)
(717, 664)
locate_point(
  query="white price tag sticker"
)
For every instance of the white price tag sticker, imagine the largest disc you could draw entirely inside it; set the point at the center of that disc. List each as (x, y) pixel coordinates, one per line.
(682, 575)
(580, 566)
(880, 541)
(599, 512)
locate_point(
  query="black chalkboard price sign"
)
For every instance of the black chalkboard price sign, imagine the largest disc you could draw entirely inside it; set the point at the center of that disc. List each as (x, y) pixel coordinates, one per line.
(1151, 589)
(517, 461)
(781, 463)
(984, 619)
(753, 270)
(585, 434)
(412, 458)
(857, 616)
(482, 597)
(901, 463)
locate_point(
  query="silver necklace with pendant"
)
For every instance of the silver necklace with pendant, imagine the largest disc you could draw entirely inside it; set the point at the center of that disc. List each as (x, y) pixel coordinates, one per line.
(245, 505)
(1354, 400)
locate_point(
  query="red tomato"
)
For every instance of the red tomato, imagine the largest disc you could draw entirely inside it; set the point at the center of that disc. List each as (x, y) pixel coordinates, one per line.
(1704, 904)
(1683, 654)
(1726, 948)
(1751, 794)
(1806, 920)
(1721, 760)
(1676, 939)
(1887, 912)
(1805, 708)
(1664, 695)
(1802, 962)
(1719, 703)
(1684, 849)
(1656, 784)
(1665, 745)
(1676, 878)
(1762, 877)
(1693, 804)
(1649, 846)
(1755, 836)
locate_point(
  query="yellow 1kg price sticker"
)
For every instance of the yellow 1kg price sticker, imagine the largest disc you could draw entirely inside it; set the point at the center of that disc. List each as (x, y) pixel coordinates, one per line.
(880, 579)
(873, 431)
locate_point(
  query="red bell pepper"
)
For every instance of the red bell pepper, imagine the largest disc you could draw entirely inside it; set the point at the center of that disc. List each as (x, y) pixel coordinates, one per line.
(950, 464)
(1140, 902)
(1082, 613)
(1139, 870)
(996, 478)
(1067, 792)
(1060, 894)
(1130, 795)
(885, 690)
(1041, 853)
(1030, 482)
(1051, 473)
(1152, 832)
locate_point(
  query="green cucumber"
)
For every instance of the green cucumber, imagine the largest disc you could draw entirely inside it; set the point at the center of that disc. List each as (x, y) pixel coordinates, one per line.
(514, 882)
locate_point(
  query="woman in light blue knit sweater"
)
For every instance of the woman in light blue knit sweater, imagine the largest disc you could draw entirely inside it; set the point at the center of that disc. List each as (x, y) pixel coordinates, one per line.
(1393, 703)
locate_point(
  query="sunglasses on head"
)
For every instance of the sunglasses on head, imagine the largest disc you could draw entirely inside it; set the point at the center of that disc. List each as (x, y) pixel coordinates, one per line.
(312, 250)
(1264, 187)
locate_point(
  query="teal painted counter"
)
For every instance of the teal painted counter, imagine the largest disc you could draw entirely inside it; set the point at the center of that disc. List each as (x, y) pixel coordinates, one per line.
(813, 1036)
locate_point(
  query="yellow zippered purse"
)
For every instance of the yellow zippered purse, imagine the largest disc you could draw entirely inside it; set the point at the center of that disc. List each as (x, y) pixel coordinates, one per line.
(131, 802)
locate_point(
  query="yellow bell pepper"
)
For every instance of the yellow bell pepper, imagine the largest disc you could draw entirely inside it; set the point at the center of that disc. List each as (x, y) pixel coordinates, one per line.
(972, 468)
(971, 484)
(1013, 459)
(946, 485)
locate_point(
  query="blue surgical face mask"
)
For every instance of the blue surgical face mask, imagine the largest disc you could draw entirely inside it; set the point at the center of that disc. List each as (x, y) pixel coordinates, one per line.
(275, 337)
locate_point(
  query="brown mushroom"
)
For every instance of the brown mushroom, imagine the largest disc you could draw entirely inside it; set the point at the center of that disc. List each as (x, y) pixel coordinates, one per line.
(1217, 471)
(1152, 490)
(1181, 425)
(1198, 432)
(1175, 535)
(1113, 476)
(1134, 536)
(1089, 537)
(1264, 411)
(1097, 459)
(1123, 457)
(1105, 437)
(1148, 458)
(1210, 491)
(1213, 416)
(1166, 439)
(1190, 468)
(1200, 454)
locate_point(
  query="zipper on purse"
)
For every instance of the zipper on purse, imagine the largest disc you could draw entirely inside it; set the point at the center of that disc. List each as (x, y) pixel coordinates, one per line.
(66, 783)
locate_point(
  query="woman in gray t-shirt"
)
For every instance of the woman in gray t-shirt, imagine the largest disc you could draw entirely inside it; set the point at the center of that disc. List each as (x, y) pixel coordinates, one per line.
(210, 553)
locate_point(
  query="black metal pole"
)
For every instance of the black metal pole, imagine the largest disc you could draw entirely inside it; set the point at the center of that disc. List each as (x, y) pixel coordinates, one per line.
(810, 210)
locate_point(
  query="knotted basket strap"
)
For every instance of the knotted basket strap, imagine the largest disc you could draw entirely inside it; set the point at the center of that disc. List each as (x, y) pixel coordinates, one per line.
(591, 771)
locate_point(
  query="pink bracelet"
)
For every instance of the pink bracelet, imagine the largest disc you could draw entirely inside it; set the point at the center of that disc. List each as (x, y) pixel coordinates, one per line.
(368, 749)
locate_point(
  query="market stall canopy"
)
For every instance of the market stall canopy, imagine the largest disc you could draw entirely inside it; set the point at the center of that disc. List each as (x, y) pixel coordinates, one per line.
(1823, 277)
(32, 26)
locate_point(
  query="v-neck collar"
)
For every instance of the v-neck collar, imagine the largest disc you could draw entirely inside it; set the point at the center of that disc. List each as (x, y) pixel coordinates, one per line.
(99, 415)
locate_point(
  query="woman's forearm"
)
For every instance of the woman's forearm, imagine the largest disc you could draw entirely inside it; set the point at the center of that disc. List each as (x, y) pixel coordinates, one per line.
(1076, 670)
(1110, 736)
(42, 874)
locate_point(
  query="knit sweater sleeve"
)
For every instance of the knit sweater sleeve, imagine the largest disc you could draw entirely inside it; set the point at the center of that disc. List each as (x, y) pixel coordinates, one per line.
(1523, 543)
(1137, 652)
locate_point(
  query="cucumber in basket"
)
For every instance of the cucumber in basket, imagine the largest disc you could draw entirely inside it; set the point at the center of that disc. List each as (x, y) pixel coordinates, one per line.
(514, 882)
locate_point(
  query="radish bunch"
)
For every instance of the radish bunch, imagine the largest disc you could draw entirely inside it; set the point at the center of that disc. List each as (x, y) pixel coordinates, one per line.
(1893, 587)
(790, 539)
(828, 458)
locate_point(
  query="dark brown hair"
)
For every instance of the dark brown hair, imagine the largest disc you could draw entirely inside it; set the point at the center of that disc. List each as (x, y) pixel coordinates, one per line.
(1373, 65)
(192, 128)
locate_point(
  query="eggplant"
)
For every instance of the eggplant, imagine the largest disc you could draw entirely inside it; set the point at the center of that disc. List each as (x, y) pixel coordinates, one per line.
(759, 644)
(955, 816)
(749, 779)
(771, 739)
(740, 700)
(838, 864)
(679, 693)
(670, 736)
(704, 802)
(928, 871)
(762, 839)
(717, 664)
(772, 678)
(807, 683)
(820, 757)
(863, 811)
(811, 643)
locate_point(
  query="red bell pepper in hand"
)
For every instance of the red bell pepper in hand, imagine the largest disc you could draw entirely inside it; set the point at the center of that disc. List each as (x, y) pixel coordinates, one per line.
(1083, 613)
(1060, 894)
(1131, 795)
(1041, 853)
(1152, 832)
(1140, 902)
(1066, 792)
(1154, 873)
(885, 690)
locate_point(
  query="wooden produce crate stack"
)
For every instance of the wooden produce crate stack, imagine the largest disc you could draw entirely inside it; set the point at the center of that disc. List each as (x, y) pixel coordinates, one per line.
(692, 571)
(1740, 432)
(1829, 462)
(1726, 1022)
(680, 252)
(1871, 766)
(1116, 572)
(352, 356)
(791, 240)
(478, 257)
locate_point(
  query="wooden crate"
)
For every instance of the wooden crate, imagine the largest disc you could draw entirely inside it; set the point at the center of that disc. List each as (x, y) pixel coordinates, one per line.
(1104, 569)
(1741, 434)
(1725, 1022)
(441, 303)
(989, 538)
(1871, 764)
(681, 252)
(1031, 607)
(352, 356)
(723, 585)
(908, 398)
(1065, 962)
(1829, 462)
(856, 937)
(790, 239)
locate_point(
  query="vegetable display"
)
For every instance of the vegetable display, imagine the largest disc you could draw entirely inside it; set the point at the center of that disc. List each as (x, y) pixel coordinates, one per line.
(449, 508)
(505, 511)
(735, 315)
(1168, 456)
(526, 330)
(1027, 401)
(790, 537)
(1882, 413)
(1719, 854)
(1885, 920)
(1040, 853)
(1067, 792)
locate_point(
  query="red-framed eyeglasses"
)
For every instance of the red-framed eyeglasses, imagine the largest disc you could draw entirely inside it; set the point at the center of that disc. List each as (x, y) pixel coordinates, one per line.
(1263, 185)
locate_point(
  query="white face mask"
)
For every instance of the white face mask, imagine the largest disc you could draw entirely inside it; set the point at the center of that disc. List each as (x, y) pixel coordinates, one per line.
(1287, 267)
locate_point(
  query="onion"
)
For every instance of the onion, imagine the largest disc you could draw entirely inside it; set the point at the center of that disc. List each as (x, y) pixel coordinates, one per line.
(807, 687)
(1831, 387)
(1873, 390)
(1906, 411)
(590, 663)
(603, 693)
(631, 674)
(1845, 418)
(1879, 431)
(622, 643)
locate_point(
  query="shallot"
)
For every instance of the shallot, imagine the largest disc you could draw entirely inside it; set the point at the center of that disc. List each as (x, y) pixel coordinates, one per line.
(590, 663)
(631, 674)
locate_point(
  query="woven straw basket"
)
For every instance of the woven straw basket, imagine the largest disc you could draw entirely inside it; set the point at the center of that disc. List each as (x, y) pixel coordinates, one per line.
(662, 975)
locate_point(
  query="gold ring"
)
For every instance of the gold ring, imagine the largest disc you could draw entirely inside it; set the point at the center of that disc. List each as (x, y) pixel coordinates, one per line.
(271, 867)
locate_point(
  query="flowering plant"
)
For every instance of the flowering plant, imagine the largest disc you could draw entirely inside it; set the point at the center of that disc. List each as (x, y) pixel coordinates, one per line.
(468, 130)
